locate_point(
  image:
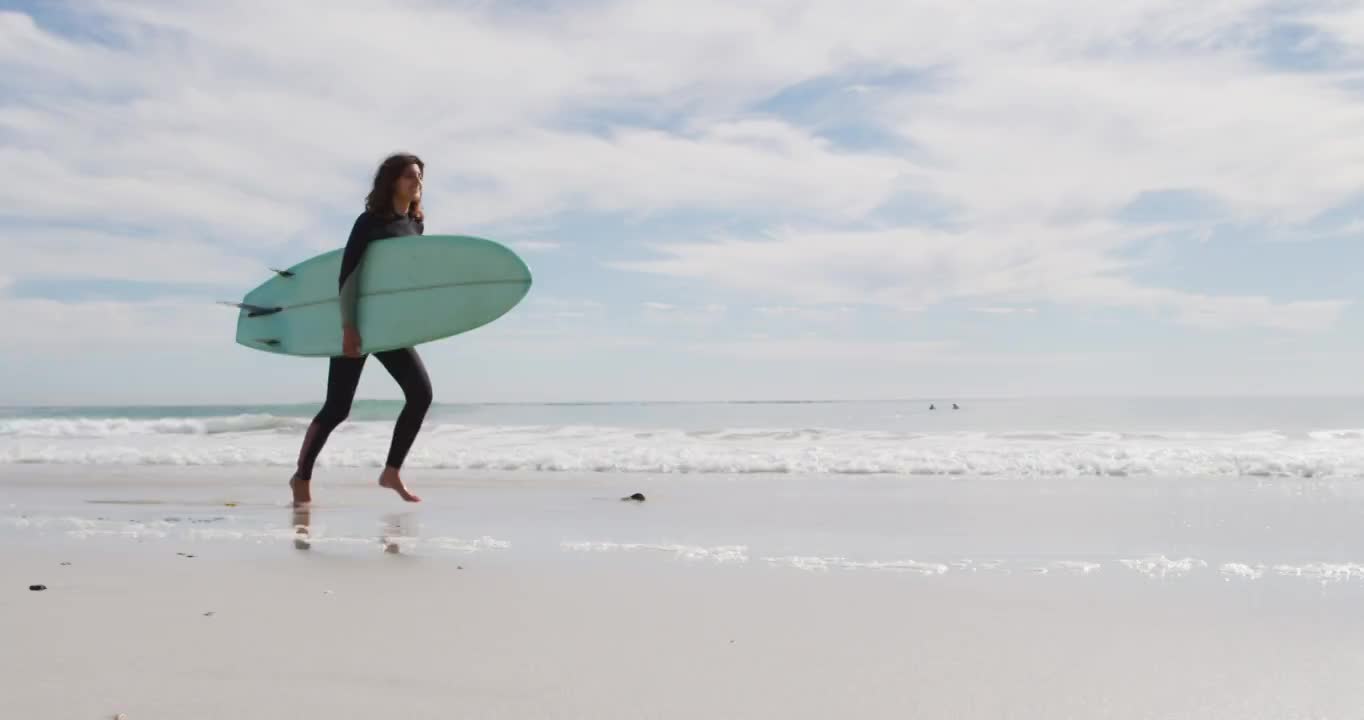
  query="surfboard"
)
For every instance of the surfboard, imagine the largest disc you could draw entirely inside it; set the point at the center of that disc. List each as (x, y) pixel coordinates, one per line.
(413, 290)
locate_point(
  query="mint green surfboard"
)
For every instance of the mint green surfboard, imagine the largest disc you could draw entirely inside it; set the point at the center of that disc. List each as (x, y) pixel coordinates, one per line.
(413, 290)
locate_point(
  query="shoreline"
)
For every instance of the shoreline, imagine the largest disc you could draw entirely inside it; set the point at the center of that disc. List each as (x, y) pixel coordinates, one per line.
(1239, 532)
(177, 593)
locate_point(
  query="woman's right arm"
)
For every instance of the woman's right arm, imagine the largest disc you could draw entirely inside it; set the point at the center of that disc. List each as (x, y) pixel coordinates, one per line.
(350, 285)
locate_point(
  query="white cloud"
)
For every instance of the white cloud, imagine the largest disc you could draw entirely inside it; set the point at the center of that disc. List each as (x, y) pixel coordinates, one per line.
(99, 189)
(896, 267)
(746, 167)
(693, 317)
(804, 313)
(1256, 311)
(154, 324)
(1342, 22)
(158, 258)
(818, 349)
(550, 314)
(205, 126)
(535, 246)
(1056, 124)
(1006, 310)
(1086, 138)
(909, 268)
(248, 133)
(1038, 131)
(1202, 310)
(555, 302)
(222, 131)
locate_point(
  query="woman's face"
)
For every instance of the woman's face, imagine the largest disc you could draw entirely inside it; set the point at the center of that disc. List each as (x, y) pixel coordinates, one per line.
(410, 183)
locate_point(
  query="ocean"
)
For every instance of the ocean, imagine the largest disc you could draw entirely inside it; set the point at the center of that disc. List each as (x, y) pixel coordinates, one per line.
(1305, 438)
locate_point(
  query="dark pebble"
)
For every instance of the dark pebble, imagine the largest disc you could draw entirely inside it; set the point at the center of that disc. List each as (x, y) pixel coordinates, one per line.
(37, 588)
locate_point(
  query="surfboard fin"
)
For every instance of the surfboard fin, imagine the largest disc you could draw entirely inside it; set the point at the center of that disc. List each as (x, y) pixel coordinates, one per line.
(282, 273)
(252, 310)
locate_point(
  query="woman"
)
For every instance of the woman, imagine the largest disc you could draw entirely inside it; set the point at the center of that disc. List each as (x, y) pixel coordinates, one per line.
(392, 209)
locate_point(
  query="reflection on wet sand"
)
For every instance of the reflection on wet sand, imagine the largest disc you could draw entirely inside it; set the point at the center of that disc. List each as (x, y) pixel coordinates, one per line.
(303, 516)
(394, 528)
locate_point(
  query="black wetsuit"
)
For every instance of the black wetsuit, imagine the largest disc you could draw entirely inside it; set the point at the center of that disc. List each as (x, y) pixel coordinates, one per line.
(343, 374)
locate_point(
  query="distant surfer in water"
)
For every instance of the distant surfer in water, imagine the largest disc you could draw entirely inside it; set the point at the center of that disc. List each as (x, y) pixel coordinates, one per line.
(392, 209)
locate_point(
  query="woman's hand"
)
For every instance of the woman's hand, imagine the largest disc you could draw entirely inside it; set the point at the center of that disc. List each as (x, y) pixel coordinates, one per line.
(350, 341)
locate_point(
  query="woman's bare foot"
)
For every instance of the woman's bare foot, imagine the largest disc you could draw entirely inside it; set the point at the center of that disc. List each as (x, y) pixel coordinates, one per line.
(303, 493)
(390, 480)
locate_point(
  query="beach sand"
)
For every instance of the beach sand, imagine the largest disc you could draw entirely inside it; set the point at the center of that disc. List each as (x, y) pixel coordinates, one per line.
(516, 596)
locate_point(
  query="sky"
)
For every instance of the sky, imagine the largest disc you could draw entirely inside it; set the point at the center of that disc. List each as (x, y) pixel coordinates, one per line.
(776, 199)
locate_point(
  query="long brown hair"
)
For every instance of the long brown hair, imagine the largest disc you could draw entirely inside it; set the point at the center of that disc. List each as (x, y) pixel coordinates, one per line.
(380, 198)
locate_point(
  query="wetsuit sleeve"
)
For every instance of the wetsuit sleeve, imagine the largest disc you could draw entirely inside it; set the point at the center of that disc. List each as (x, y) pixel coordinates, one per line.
(350, 270)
